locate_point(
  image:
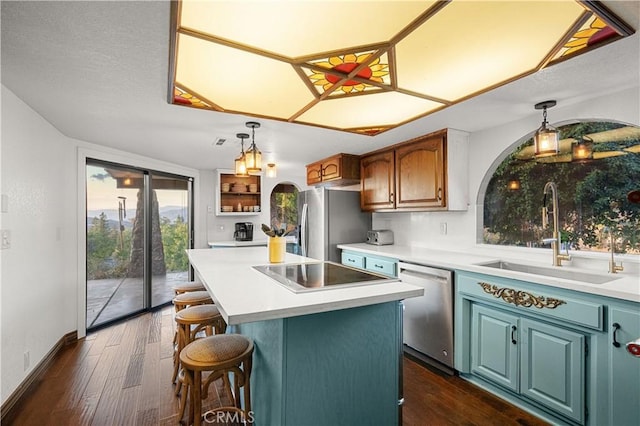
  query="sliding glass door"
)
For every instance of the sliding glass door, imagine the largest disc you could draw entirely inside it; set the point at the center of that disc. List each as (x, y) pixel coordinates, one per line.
(171, 236)
(138, 227)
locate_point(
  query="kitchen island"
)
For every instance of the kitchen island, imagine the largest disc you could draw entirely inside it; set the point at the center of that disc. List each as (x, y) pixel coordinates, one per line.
(322, 357)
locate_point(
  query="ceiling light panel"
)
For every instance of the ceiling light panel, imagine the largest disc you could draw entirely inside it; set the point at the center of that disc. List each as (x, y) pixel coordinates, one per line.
(368, 66)
(364, 111)
(299, 28)
(231, 77)
(470, 46)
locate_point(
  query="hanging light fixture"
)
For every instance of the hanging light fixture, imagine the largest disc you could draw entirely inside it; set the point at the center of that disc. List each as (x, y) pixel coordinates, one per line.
(513, 184)
(241, 165)
(253, 155)
(582, 150)
(271, 170)
(546, 137)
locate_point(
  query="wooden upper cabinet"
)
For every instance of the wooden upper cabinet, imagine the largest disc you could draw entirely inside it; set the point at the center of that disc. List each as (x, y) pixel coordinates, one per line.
(314, 173)
(426, 173)
(340, 169)
(420, 173)
(377, 181)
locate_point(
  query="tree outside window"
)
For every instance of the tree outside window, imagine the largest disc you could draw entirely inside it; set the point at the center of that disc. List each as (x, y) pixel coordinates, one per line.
(595, 195)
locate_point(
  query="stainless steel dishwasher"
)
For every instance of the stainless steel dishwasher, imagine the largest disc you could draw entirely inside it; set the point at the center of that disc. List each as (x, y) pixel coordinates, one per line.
(428, 319)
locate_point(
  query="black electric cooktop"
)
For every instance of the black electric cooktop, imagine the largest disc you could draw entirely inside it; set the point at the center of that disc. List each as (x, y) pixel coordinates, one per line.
(304, 277)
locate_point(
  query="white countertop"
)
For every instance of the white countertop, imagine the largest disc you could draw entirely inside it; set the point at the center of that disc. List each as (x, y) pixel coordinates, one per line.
(624, 286)
(233, 243)
(243, 294)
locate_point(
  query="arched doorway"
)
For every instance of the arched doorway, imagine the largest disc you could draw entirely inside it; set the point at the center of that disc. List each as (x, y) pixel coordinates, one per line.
(284, 212)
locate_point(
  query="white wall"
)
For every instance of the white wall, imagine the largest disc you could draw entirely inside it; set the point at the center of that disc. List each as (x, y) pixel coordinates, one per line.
(488, 148)
(38, 282)
(42, 295)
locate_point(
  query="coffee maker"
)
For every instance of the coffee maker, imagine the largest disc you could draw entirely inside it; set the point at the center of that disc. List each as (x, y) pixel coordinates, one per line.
(244, 231)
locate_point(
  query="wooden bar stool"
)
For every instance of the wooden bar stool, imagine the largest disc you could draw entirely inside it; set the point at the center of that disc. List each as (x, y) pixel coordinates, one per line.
(191, 298)
(187, 286)
(220, 355)
(190, 322)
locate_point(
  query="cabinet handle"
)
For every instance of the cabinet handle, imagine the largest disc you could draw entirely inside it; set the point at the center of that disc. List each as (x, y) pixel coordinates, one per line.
(378, 266)
(513, 334)
(439, 194)
(351, 260)
(616, 327)
(391, 197)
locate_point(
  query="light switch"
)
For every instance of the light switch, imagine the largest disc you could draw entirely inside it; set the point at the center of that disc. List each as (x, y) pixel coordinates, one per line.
(5, 235)
(4, 203)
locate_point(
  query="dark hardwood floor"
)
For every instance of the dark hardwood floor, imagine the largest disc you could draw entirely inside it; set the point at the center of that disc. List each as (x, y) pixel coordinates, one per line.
(121, 375)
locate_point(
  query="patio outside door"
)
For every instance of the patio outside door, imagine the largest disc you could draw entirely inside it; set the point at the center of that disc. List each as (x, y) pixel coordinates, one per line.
(138, 227)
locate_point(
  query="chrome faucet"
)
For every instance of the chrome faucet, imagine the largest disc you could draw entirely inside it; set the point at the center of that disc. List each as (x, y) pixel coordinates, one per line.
(614, 268)
(555, 240)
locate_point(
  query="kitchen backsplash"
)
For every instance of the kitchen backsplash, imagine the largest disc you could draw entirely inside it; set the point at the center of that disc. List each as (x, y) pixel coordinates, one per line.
(429, 229)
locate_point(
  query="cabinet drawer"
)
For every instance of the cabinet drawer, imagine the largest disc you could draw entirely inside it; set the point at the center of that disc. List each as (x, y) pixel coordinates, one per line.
(535, 299)
(351, 259)
(381, 266)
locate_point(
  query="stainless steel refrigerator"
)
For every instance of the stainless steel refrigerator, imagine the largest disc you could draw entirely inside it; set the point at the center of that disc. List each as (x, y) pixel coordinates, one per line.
(328, 218)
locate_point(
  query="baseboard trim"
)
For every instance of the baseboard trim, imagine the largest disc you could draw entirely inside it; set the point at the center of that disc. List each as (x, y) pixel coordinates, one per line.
(6, 411)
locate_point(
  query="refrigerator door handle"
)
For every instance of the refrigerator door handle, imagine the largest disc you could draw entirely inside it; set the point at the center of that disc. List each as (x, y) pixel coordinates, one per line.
(303, 229)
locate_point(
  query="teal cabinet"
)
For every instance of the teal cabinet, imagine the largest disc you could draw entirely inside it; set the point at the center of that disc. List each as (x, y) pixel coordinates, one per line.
(494, 350)
(332, 368)
(381, 265)
(552, 369)
(624, 368)
(533, 359)
(546, 349)
(352, 259)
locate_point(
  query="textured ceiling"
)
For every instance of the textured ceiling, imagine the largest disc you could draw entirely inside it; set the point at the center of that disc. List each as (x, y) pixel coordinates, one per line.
(98, 71)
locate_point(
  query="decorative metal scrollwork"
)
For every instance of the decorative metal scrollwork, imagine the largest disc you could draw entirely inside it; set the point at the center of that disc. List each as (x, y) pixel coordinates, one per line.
(521, 298)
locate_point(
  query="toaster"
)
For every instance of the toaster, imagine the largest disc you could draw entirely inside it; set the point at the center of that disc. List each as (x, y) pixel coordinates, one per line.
(380, 237)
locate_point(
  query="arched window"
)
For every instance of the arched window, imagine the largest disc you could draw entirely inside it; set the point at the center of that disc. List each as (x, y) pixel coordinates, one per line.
(597, 172)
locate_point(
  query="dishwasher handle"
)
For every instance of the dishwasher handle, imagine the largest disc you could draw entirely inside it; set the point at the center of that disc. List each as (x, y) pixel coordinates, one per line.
(421, 276)
(415, 270)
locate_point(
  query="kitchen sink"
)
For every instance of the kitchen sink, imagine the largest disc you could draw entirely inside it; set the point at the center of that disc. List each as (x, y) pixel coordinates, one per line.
(556, 272)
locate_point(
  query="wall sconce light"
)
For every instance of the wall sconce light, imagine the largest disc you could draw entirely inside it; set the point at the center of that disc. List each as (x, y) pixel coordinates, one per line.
(126, 182)
(271, 170)
(582, 150)
(513, 185)
(253, 156)
(546, 137)
(240, 163)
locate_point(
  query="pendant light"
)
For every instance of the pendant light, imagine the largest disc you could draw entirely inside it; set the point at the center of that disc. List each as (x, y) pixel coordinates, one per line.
(546, 137)
(513, 184)
(253, 156)
(582, 150)
(271, 170)
(241, 165)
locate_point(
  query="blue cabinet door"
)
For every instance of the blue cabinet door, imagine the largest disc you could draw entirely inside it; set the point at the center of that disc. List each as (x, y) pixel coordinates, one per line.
(494, 346)
(381, 265)
(624, 367)
(552, 370)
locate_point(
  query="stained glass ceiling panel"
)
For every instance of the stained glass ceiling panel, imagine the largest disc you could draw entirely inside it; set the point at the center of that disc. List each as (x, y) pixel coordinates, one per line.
(368, 66)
